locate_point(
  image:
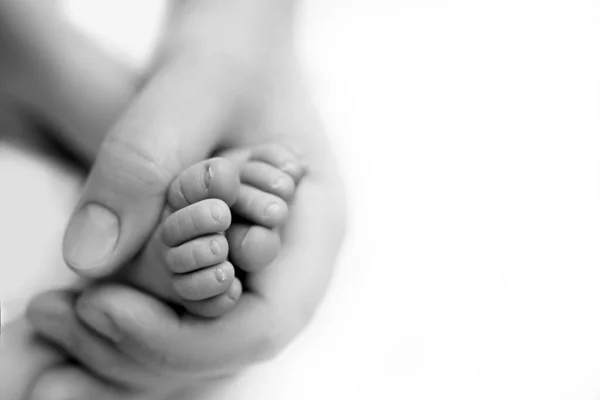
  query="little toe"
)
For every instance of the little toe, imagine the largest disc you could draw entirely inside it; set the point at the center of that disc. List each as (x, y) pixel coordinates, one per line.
(204, 283)
(260, 207)
(268, 178)
(282, 158)
(197, 254)
(218, 305)
(203, 218)
(213, 178)
(252, 247)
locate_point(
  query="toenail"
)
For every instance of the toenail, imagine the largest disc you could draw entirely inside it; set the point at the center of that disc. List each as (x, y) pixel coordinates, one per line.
(216, 211)
(207, 177)
(271, 210)
(214, 247)
(304, 164)
(289, 167)
(279, 183)
(232, 293)
(220, 275)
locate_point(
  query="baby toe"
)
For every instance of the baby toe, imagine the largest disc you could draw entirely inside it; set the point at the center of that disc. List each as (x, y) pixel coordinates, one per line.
(280, 157)
(260, 207)
(218, 305)
(268, 178)
(214, 178)
(252, 247)
(197, 254)
(199, 219)
(204, 283)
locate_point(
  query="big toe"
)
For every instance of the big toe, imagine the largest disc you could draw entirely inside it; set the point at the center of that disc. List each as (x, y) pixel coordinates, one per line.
(213, 178)
(252, 247)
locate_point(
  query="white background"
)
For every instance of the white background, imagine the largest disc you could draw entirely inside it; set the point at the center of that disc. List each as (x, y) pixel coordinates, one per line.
(467, 132)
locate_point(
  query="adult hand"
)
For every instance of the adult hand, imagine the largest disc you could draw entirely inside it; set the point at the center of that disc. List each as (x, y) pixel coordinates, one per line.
(229, 83)
(215, 55)
(280, 302)
(22, 357)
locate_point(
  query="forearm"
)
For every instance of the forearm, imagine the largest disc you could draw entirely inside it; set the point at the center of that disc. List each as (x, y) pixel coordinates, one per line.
(55, 73)
(81, 91)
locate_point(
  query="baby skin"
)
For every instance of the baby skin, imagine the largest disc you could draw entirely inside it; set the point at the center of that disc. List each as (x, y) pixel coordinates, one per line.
(221, 216)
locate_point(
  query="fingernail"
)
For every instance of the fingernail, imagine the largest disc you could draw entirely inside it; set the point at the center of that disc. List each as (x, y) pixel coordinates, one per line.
(52, 390)
(99, 321)
(91, 237)
(216, 212)
(271, 210)
(49, 325)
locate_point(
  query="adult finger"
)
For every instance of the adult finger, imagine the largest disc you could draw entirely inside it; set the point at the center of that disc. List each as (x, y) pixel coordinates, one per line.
(52, 315)
(23, 357)
(67, 382)
(144, 327)
(178, 118)
(259, 327)
(287, 293)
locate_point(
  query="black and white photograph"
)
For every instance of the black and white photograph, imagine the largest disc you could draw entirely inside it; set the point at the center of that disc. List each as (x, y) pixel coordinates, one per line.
(299, 199)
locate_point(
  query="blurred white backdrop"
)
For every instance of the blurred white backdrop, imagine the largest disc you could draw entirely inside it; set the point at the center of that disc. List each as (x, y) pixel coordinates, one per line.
(467, 132)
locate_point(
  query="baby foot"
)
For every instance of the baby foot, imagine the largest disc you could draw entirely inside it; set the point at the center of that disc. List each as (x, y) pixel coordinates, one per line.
(188, 260)
(269, 176)
(185, 261)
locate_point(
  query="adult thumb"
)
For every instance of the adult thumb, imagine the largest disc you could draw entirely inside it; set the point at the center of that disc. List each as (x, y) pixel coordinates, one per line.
(175, 121)
(120, 204)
